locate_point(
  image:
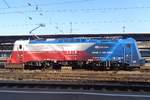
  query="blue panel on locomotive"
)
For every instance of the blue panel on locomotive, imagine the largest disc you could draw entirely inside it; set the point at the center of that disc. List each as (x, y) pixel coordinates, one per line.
(123, 51)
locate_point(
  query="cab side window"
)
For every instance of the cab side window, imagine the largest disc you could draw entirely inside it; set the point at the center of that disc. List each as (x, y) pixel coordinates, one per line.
(20, 46)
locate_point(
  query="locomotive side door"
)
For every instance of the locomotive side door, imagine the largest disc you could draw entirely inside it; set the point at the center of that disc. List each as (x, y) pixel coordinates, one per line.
(128, 53)
(20, 53)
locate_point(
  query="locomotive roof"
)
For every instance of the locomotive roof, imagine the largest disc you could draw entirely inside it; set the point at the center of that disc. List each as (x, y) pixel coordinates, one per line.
(75, 40)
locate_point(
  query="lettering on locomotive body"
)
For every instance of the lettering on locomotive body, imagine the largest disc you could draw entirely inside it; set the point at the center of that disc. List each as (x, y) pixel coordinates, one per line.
(101, 47)
(101, 52)
(95, 52)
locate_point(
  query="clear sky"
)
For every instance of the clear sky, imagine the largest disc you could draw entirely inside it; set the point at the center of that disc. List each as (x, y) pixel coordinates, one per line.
(18, 17)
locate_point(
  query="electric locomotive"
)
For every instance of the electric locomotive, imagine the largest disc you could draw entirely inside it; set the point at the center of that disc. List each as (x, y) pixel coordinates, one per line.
(87, 53)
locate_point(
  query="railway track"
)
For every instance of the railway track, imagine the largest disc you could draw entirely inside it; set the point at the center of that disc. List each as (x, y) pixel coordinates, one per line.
(137, 80)
(103, 85)
(145, 68)
(76, 75)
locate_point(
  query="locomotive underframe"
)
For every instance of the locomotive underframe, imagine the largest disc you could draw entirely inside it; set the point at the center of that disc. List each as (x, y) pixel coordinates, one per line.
(89, 65)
